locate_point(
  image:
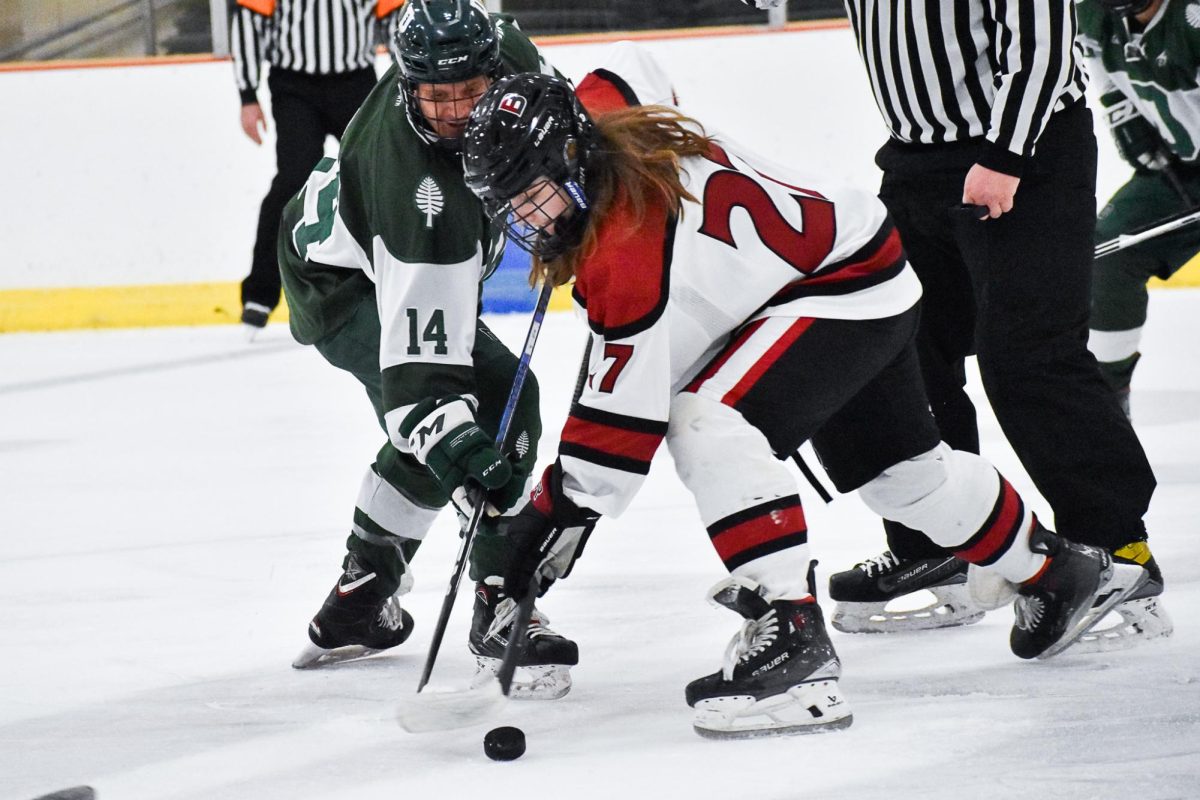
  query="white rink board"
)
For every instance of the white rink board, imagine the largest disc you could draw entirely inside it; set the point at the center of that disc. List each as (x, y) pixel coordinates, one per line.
(142, 175)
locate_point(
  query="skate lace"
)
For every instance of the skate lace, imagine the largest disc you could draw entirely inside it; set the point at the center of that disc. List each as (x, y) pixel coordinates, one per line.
(389, 614)
(506, 609)
(882, 563)
(1029, 611)
(755, 636)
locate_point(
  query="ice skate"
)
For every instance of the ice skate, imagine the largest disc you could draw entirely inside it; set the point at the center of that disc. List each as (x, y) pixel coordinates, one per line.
(1138, 617)
(780, 675)
(359, 618)
(545, 661)
(865, 593)
(1076, 588)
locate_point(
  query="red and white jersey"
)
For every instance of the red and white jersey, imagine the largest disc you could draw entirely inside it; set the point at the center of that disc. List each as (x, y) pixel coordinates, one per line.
(664, 295)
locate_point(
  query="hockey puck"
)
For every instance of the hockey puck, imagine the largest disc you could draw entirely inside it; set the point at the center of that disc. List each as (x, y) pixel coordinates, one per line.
(504, 744)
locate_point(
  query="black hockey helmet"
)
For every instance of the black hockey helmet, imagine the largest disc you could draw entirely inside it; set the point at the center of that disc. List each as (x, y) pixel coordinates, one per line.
(443, 41)
(530, 129)
(1124, 7)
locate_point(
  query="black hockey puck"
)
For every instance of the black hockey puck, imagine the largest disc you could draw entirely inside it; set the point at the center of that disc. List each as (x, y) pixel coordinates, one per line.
(504, 744)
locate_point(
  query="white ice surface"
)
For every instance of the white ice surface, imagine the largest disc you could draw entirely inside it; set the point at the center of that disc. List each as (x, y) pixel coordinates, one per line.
(173, 505)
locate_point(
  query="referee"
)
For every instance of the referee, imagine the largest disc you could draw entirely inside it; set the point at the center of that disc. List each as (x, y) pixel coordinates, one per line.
(990, 177)
(321, 55)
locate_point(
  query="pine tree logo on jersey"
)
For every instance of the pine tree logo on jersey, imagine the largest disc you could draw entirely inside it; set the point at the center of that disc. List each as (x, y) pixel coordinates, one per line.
(430, 200)
(1192, 14)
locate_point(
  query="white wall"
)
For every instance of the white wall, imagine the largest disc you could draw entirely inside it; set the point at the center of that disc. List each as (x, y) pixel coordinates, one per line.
(141, 175)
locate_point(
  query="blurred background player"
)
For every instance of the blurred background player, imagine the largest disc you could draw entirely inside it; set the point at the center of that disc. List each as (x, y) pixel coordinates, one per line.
(720, 293)
(383, 253)
(1143, 58)
(989, 121)
(322, 66)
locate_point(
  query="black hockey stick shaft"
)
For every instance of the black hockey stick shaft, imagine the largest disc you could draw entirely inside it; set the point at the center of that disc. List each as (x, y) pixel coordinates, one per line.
(1176, 183)
(516, 641)
(479, 500)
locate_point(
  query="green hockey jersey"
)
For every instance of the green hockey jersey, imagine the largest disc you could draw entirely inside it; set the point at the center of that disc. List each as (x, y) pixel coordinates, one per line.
(1156, 67)
(393, 211)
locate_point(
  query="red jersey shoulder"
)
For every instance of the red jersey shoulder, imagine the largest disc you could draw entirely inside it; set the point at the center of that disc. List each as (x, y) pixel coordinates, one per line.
(602, 91)
(625, 282)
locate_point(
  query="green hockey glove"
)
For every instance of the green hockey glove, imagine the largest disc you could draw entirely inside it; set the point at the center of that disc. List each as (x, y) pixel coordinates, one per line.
(444, 436)
(1137, 140)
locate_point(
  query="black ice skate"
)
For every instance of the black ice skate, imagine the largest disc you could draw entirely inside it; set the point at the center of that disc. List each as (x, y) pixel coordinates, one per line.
(780, 675)
(1140, 616)
(1078, 586)
(544, 662)
(864, 594)
(360, 617)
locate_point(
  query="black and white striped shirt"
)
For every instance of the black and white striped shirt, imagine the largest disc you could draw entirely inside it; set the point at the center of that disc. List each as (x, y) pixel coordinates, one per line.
(317, 37)
(951, 70)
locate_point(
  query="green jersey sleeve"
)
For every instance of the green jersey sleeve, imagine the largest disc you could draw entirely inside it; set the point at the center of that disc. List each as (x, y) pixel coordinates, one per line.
(1157, 68)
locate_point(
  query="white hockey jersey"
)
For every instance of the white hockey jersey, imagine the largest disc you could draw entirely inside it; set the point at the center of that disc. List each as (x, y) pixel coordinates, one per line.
(664, 295)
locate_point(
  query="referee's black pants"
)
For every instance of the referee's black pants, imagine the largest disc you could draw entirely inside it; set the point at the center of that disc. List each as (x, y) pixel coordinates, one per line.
(306, 109)
(1016, 291)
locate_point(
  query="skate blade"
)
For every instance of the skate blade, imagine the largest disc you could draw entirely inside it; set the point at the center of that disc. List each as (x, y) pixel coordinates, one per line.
(1124, 580)
(1140, 620)
(541, 682)
(813, 707)
(313, 656)
(952, 606)
(433, 710)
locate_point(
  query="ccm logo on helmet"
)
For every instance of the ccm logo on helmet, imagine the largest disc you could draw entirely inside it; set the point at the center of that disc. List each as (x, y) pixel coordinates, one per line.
(513, 103)
(445, 61)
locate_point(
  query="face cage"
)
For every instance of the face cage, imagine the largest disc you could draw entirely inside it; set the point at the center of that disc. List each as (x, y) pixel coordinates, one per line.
(421, 123)
(531, 236)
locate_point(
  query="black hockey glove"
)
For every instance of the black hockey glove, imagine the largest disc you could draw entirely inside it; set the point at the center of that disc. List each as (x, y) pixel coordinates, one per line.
(443, 435)
(1137, 140)
(547, 536)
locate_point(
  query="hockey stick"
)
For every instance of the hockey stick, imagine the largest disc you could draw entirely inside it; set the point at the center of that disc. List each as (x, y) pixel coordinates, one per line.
(1154, 231)
(447, 710)
(1172, 177)
(434, 711)
(468, 536)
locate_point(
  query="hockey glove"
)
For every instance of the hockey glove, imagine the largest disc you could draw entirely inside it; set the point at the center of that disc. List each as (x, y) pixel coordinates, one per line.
(547, 536)
(1137, 140)
(444, 436)
(764, 4)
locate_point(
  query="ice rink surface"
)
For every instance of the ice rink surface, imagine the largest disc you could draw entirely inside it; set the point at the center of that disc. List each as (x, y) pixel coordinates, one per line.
(174, 508)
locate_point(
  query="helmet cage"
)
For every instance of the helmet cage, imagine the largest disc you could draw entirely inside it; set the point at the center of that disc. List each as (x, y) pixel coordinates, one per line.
(443, 42)
(528, 133)
(546, 219)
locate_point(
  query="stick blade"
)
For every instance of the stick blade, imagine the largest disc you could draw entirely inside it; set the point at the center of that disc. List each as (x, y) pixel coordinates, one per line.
(428, 711)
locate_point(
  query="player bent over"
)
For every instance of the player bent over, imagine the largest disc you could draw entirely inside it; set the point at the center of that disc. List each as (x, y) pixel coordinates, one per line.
(721, 290)
(382, 254)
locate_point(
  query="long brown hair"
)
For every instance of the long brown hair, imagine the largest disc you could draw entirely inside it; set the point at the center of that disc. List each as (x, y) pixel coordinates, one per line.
(638, 157)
